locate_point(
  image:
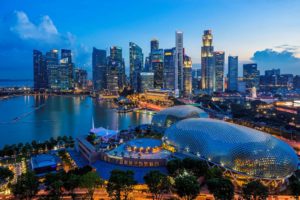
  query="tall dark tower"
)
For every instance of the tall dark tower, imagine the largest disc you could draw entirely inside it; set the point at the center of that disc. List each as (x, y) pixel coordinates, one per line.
(99, 63)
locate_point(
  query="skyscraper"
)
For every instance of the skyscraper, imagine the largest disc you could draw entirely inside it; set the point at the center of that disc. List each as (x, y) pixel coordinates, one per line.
(52, 64)
(154, 44)
(251, 75)
(146, 81)
(136, 58)
(219, 60)
(170, 78)
(157, 63)
(119, 64)
(179, 61)
(187, 76)
(233, 73)
(80, 78)
(207, 62)
(99, 64)
(40, 71)
(67, 55)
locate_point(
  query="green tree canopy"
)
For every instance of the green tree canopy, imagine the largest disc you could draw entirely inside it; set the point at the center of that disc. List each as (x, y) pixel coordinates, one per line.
(255, 190)
(187, 186)
(6, 174)
(157, 183)
(120, 182)
(90, 181)
(26, 186)
(221, 188)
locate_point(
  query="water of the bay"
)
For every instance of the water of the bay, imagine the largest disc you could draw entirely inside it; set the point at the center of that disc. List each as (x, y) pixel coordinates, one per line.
(27, 118)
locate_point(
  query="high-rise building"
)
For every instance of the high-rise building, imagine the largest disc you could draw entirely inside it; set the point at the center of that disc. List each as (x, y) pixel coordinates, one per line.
(63, 79)
(187, 76)
(232, 73)
(80, 78)
(179, 61)
(157, 63)
(113, 75)
(99, 64)
(119, 65)
(52, 64)
(207, 62)
(136, 58)
(219, 60)
(170, 78)
(52, 57)
(67, 54)
(251, 75)
(147, 67)
(154, 44)
(296, 82)
(40, 76)
(146, 81)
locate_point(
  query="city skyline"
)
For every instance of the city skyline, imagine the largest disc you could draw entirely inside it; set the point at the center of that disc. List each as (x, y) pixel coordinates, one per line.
(38, 26)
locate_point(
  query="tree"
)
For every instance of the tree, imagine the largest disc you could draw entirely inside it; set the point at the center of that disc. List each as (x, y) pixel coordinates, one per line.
(187, 186)
(221, 188)
(255, 191)
(120, 182)
(26, 187)
(197, 167)
(295, 188)
(157, 183)
(214, 172)
(54, 185)
(71, 182)
(6, 174)
(174, 165)
(90, 181)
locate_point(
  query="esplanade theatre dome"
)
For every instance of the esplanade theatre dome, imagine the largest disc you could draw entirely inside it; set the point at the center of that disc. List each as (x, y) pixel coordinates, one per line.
(169, 116)
(236, 148)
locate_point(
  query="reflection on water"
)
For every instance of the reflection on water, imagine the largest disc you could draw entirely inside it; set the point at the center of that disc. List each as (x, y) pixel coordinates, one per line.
(28, 118)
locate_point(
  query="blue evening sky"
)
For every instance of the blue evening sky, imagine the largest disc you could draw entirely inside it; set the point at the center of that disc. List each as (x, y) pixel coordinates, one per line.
(264, 31)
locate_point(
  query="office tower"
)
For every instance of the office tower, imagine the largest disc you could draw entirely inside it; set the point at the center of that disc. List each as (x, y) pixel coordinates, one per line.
(136, 58)
(157, 63)
(251, 75)
(39, 71)
(52, 65)
(233, 73)
(118, 63)
(80, 79)
(147, 67)
(219, 60)
(187, 76)
(169, 79)
(207, 63)
(99, 64)
(113, 75)
(146, 81)
(285, 81)
(272, 72)
(67, 54)
(63, 79)
(154, 44)
(178, 62)
(296, 82)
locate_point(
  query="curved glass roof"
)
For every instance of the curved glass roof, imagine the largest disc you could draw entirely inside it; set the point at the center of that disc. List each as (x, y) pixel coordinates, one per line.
(238, 148)
(182, 111)
(169, 116)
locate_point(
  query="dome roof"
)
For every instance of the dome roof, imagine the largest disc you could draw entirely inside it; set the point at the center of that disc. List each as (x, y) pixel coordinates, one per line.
(167, 117)
(237, 148)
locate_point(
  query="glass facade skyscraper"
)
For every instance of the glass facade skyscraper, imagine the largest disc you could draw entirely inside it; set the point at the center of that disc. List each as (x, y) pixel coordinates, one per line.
(157, 63)
(207, 62)
(179, 61)
(170, 69)
(136, 58)
(232, 73)
(187, 76)
(118, 63)
(251, 75)
(219, 60)
(40, 76)
(99, 64)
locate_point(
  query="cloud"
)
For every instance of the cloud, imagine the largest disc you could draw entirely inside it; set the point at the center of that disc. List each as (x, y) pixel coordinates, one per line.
(19, 35)
(283, 57)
